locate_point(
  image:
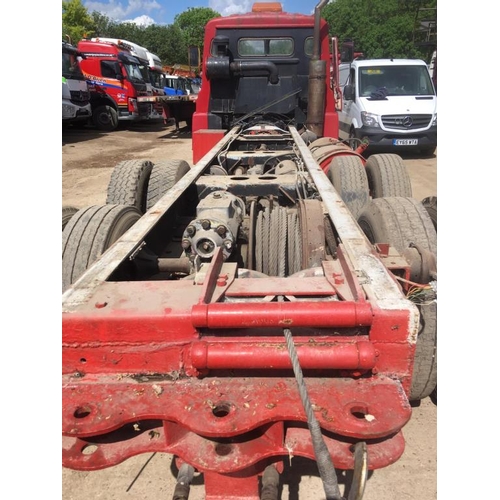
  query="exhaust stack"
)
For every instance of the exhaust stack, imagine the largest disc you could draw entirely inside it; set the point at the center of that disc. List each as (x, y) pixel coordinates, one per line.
(317, 79)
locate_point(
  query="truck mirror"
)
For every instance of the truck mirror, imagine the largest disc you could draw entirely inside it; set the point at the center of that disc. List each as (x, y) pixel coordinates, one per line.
(349, 92)
(347, 51)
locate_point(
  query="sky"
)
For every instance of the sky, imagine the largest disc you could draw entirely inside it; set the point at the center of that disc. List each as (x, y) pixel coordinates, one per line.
(146, 12)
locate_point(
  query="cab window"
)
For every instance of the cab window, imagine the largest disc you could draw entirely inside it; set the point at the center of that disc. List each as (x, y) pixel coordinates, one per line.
(262, 47)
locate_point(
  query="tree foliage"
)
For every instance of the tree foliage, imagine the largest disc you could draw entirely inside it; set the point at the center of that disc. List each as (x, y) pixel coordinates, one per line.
(169, 42)
(192, 24)
(380, 28)
(76, 21)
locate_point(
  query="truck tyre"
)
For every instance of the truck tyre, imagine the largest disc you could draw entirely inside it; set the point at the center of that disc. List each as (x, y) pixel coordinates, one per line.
(431, 205)
(67, 213)
(164, 176)
(89, 233)
(387, 176)
(105, 118)
(400, 221)
(348, 176)
(424, 380)
(128, 184)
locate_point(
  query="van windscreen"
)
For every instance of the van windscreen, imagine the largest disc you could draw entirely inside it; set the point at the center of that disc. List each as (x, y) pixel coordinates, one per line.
(396, 80)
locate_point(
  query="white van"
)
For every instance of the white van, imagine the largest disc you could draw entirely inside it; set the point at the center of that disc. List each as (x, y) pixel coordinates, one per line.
(390, 102)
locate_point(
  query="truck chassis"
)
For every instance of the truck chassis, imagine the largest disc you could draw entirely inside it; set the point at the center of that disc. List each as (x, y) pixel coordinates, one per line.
(241, 310)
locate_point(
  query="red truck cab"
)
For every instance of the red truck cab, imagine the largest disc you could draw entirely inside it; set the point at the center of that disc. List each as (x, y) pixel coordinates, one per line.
(115, 82)
(259, 60)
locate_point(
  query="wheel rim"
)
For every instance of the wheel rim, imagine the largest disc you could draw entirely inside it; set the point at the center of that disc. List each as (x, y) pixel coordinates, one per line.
(104, 118)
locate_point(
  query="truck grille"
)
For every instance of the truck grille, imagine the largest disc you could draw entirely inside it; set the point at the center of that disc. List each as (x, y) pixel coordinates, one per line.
(144, 109)
(406, 122)
(80, 96)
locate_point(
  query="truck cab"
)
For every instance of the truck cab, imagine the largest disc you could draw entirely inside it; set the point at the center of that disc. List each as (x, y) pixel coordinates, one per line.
(116, 83)
(391, 103)
(75, 93)
(142, 55)
(157, 80)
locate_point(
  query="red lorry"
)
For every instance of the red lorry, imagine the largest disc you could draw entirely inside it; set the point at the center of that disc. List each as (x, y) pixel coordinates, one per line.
(116, 83)
(276, 299)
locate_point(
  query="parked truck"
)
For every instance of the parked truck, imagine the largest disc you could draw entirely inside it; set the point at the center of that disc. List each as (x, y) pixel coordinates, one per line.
(145, 58)
(276, 299)
(116, 83)
(75, 93)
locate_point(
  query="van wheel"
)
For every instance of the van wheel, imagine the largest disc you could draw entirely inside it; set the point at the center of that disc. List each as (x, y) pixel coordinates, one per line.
(348, 176)
(387, 176)
(105, 118)
(89, 233)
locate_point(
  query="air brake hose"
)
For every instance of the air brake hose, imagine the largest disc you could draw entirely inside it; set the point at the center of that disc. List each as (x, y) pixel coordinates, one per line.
(323, 458)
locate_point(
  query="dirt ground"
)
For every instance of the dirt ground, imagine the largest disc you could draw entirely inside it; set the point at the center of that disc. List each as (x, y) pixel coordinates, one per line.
(88, 157)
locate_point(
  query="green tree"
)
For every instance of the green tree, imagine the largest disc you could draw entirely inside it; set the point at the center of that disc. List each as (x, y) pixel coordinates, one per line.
(379, 28)
(192, 24)
(167, 43)
(102, 23)
(76, 21)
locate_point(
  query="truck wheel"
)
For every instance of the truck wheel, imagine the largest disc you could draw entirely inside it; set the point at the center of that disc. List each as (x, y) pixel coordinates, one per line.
(164, 176)
(400, 221)
(387, 176)
(128, 184)
(431, 205)
(89, 233)
(348, 176)
(67, 213)
(105, 118)
(424, 380)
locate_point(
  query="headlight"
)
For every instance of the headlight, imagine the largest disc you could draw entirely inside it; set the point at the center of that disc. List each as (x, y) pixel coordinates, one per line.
(435, 120)
(369, 119)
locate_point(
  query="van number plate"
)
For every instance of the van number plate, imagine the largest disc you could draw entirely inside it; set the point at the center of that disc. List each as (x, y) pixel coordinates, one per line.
(404, 142)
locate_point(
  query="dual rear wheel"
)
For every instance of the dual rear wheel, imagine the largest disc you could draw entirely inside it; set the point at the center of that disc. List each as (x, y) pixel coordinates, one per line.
(403, 222)
(134, 187)
(382, 176)
(379, 196)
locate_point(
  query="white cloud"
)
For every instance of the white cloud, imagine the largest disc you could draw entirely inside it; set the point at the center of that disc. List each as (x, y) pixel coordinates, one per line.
(120, 11)
(228, 7)
(141, 21)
